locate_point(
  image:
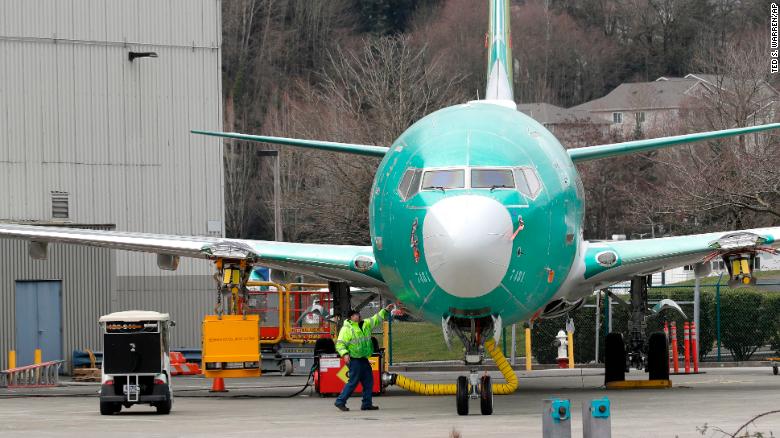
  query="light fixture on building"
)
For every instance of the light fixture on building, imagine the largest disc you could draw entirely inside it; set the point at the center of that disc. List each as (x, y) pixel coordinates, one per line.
(132, 55)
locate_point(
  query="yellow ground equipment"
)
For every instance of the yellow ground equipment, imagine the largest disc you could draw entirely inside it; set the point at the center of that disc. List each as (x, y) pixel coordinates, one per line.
(292, 317)
(231, 346)
(308, 313)
(451, 388)
(740, 269)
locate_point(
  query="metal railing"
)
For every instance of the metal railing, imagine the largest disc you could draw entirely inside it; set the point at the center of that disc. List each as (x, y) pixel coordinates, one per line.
(32, 376)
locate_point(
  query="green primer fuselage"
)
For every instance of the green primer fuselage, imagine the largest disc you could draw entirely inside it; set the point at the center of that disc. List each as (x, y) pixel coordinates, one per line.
(479, 134)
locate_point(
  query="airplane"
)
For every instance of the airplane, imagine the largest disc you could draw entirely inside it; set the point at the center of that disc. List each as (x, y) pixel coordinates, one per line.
(476, 222)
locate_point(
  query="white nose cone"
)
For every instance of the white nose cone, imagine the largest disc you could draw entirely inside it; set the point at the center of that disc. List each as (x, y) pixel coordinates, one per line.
(467, 244)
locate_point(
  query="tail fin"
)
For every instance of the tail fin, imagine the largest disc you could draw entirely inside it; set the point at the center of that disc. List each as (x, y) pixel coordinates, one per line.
(499, 68)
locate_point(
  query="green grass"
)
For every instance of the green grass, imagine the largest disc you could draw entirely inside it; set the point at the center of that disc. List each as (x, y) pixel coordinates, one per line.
(423, 341)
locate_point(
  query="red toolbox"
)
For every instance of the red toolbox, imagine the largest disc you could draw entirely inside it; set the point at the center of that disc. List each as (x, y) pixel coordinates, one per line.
(330, 376)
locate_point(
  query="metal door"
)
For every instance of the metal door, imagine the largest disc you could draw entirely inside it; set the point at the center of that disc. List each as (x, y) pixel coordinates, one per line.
(38, 320)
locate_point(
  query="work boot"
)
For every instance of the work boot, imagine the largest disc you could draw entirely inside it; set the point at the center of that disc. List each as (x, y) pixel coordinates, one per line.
(370, 408)
(342, 408)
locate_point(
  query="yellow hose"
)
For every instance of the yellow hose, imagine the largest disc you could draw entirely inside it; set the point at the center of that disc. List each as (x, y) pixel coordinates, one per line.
(425, 388)
(503, 365)
(450, 388)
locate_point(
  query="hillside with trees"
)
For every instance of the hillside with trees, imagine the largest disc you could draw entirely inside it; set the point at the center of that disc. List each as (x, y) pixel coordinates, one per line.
(364, 70)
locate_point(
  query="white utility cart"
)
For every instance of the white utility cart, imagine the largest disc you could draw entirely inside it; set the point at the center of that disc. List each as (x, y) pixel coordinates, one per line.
(136, 364)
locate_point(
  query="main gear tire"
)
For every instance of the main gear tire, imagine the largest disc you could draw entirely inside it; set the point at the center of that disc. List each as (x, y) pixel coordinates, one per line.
(614, 358)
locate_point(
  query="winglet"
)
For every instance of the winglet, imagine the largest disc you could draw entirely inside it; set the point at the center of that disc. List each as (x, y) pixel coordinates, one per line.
(359, 149)
(633, 147)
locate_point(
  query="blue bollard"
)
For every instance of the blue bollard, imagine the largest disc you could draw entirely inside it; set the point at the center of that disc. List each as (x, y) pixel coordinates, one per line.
(596, 419)
(556, 418)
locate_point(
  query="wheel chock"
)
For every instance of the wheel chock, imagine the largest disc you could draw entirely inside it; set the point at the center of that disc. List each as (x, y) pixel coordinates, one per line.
(556, 418)
(596, 419)
(639, 384)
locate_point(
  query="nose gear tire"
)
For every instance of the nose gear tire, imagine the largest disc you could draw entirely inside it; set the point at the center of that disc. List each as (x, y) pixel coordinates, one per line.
(462, 395)
(486, 396)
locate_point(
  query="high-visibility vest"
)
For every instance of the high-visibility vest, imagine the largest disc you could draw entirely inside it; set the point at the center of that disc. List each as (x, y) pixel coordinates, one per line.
(355, 337)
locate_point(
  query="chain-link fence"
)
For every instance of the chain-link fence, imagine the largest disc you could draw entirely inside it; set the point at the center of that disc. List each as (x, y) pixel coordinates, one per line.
(734, 325)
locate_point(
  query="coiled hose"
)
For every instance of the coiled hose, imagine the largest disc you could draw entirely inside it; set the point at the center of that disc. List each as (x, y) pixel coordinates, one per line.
(451, 388)
(503, 365)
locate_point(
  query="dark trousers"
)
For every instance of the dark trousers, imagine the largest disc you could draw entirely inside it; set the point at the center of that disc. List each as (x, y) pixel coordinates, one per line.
(359, 372)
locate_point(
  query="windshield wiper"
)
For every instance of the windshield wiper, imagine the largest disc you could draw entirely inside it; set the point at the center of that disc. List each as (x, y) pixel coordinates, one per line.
(438, 188)
(499, 186)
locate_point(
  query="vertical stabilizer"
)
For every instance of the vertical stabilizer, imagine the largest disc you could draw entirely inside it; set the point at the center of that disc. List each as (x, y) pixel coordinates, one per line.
(499, 68)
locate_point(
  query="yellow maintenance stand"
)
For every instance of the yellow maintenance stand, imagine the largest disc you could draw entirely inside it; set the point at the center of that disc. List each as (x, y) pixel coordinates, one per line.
(231, 340)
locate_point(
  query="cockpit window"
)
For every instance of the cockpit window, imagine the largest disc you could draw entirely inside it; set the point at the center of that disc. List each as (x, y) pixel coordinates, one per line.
(528, 181)
(406, 181)
(444, 179)
(415, 187)
(492, 179)
(410, 183)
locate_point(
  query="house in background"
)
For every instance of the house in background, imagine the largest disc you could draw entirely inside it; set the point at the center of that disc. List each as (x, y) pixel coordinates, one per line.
(635, 108)
(571, 127)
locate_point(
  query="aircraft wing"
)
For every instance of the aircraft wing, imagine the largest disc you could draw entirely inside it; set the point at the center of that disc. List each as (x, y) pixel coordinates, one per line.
(349, 148)
(632, 147)
(607, 262)
(354, 264)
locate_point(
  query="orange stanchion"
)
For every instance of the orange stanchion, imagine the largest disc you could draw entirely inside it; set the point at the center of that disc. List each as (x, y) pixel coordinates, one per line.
(668, 343)
(687, 344)
(675, 353)
(694, 348)
(218, 385)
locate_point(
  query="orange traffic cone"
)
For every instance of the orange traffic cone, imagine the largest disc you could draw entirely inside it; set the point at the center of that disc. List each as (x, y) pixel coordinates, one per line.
(218, 385)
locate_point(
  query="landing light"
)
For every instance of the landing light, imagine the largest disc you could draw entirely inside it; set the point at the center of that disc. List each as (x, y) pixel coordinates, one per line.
(363, 263)
(737, 240)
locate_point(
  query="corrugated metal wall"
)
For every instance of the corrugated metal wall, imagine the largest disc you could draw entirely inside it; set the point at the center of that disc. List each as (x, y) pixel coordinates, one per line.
(86, 275)
(187, 298)
(77, 116)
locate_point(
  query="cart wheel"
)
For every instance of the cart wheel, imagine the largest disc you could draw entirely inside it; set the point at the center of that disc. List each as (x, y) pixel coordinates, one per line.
(462, 395)
(164, 407)
(486, 396)
(774, 370)
(286, 367)
(109, 408)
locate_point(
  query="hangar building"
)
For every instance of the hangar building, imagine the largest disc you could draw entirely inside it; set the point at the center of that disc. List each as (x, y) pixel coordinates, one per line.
(97, 98)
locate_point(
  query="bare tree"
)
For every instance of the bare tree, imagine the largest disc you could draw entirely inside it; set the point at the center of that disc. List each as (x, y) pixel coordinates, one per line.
(267, 46)
(368, 94)
(736, 181)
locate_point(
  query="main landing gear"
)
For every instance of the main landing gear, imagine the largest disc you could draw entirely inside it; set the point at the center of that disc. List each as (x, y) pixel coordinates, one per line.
(650, 354)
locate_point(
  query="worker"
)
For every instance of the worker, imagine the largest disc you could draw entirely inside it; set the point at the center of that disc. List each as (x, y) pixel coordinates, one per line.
(355, 346)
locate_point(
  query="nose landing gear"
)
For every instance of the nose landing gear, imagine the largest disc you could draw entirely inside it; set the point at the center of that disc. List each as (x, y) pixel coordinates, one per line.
(474, 387)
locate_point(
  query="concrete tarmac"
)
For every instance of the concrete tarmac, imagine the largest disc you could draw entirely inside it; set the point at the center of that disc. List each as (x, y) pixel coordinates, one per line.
(722, 399)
